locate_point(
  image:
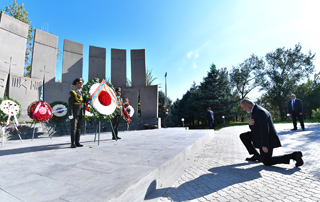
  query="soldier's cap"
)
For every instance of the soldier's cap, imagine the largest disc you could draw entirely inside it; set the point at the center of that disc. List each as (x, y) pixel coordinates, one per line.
(118, 89)
(77, 80)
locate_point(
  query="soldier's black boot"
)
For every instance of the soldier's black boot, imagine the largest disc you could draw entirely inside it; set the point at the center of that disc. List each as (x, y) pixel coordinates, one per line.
(78, 138)
(73, 140)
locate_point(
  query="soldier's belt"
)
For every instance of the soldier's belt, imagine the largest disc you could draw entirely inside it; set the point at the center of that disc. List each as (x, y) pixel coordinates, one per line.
(78, 103)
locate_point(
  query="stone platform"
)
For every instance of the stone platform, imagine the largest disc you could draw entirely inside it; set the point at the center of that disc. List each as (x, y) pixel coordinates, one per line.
(126, 170)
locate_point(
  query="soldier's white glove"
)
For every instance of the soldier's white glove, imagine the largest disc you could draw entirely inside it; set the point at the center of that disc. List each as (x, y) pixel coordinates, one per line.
(71, 117)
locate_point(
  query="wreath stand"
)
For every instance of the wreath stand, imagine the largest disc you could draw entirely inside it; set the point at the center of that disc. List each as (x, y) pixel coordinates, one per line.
(98, 128)
(63, 128)
(3, 133)
(34, 128)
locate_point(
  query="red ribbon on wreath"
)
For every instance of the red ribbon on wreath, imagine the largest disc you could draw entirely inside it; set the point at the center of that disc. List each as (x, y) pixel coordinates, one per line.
(125, 112)
(40, 111)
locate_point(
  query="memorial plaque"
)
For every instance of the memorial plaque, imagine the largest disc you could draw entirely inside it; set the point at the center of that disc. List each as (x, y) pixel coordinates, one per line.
(97, 62)
(72, 61)
(149, 101)
(44, 57)
(25, 91)
(138, 68)
(3, 83)
(132, 94)
(118, 67)
(13, 43)
(54, 91)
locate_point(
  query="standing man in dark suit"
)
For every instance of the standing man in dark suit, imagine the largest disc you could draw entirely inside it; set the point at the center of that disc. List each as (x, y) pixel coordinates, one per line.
(116, 120)
(76, 111)
(210, 118)
(264, 136)
(295, 110)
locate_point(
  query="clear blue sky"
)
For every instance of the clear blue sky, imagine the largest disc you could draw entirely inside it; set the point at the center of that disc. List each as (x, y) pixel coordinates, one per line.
(181, 37)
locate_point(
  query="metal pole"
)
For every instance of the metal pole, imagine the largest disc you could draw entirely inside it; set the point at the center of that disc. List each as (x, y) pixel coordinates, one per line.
(165, 76)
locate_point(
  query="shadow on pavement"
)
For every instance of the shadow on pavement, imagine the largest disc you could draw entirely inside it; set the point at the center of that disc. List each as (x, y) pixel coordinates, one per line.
(219, 178)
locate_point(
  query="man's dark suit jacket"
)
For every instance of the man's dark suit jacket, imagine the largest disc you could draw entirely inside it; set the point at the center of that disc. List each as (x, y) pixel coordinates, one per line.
(263, 131)
(210, 116)
(298, 108)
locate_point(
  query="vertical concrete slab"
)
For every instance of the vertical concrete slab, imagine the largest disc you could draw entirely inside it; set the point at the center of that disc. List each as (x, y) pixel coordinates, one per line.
(25, 91)
(138, 67)
(72, 61)
(3, 82)
(118, 67)
(54, 91)
(13, 43)
(97, 62)
(149, 101)
(132, 94)
(44, 57)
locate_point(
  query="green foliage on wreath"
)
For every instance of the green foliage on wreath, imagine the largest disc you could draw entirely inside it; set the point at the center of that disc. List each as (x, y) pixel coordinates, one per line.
(96, 114)
(3, 116)
(58, 119)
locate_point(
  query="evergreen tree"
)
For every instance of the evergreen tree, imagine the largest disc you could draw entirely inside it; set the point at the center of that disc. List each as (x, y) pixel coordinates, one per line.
(215, 92)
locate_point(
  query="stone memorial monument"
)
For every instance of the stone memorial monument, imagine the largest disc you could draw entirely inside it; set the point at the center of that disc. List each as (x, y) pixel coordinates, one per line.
(97, 62)
(13, 43)
(13, 39)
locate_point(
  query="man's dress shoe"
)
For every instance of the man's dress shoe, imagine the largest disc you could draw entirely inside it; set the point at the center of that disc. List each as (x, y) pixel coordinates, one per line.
(79, 145)
(297, 156)
(253, 158)
(73, 146)
(294, 129)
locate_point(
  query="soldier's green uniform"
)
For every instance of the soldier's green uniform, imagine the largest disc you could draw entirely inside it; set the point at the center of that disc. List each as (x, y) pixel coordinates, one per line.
(116, 120)
(76, 111)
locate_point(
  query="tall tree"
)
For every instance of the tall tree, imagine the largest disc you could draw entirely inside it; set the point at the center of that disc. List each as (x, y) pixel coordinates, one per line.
(247, 75)
(19, 13)
(286, 68)
(215, 92)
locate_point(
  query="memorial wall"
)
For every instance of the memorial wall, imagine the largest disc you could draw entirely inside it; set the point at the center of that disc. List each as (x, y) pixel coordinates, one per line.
(13, 40)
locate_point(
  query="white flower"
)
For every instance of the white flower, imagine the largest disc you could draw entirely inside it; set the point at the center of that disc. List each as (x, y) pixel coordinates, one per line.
(130, 110)
(8, 106)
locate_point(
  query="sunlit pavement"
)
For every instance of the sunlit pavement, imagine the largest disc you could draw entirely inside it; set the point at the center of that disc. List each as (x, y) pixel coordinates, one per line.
(221, 173)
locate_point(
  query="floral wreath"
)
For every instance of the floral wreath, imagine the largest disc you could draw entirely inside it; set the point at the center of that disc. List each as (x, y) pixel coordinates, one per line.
(4, 107)
(103, 107)
(40, 111)
(59, 111)
(128, 111)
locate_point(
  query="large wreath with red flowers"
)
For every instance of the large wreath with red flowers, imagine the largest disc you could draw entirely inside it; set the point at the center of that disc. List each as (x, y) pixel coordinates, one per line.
(40, 111)
(99, 100)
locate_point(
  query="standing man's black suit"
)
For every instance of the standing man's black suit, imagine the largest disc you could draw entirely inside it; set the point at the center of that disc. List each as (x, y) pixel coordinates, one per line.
(210, 118)
(76, 111)
(295, 109)
(264, 136)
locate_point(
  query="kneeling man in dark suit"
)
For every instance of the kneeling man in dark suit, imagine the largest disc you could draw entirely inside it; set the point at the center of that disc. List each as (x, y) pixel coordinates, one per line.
(264, 136)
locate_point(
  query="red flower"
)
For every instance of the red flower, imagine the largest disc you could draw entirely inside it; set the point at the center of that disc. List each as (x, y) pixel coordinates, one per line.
(40, 111)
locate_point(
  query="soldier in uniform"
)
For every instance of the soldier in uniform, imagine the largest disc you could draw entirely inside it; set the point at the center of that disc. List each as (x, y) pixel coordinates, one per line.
(116, 120)
(76, 111)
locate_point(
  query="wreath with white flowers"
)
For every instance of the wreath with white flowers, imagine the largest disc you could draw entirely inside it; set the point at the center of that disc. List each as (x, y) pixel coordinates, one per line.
(103, 108)
(5, 105)
(59, 111)
(40, 111)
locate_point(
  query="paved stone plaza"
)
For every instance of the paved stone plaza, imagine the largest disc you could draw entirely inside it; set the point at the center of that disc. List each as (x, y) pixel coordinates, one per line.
(213, 168)
(221, 174)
